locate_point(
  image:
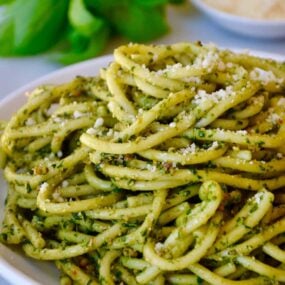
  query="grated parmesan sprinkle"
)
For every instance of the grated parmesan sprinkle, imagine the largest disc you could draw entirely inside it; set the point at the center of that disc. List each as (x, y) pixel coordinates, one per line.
(44, 186)
(189, 149)
(214, 145)
(30, 122)
(59, 153)
(264, 76)
(91, 131)
(64, 183)
(99, 123)
(151, 167)
(159, 247)
(77, 114)
(273, 118)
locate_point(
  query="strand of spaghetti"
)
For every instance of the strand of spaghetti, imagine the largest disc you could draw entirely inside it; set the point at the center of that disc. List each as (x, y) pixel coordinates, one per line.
(154, 113)
(65, 165)
(197, 69)
(48, 128)
(238, 95)
(73, 236)
(51, 222)
(134, 263)
(152, 271)
(142, 72)
(242, 182)
(75, 272)
(27, 203)
(213, 278)
(141, 143)
(250, 206)
(274, 251)
(82, 107)
(78, 190)
(193, 256)
(64, 279)
(238, 137)
(229, 124)
(254, 61)
(12, 232)
(155, 185)
(139, 235)
(258, 207)
(69, 127)
(118, 94)
(196, 157)
(119, 113)
(180, 239)
(74, 250)
(211, 195)
(105, 275)
(38, 144)
(182, 279)
(172, 213)
(144, 180)
(99, 90)
(251, 109)
(150, 89)
(261, 268)
(23, 112)
(125, 275)
(97, 182)
(246, 247)
(117, 214)
(140, 199)
(34, 236)
(43, 202)
(252, 166)
(24, 191)
(75, 179)
(226, 269)
(125, 77)
(132, 212)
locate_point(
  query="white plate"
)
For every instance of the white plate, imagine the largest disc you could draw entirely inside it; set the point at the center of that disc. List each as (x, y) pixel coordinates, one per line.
(266, 29)
(14, 266)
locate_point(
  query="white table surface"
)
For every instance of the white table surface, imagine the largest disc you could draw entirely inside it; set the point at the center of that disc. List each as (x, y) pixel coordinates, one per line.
(186, 23)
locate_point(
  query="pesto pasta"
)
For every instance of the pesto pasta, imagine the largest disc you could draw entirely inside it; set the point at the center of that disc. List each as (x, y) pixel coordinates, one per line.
(167, 168)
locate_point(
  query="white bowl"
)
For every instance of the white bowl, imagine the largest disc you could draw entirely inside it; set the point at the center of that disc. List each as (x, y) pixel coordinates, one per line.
(266, 29)
(14, 265)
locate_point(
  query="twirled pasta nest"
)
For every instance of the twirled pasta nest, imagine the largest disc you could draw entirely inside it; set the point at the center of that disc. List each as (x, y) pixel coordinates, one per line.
(168, 168)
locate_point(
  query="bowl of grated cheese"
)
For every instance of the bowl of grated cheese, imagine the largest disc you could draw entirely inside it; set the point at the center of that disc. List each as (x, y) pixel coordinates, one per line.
(256, 18)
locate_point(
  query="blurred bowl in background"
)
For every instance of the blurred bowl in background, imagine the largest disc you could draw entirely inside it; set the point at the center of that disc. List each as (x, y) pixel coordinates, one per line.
(266, 29)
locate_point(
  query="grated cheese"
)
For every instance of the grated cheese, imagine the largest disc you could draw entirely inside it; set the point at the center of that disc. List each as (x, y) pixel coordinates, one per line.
(59, 153)
(99, 123)
(258, 74)
(91, 131)
(64, 183)
(78, 114)
(273, 118)
(30, 122)
(44, 186)
(190, 149)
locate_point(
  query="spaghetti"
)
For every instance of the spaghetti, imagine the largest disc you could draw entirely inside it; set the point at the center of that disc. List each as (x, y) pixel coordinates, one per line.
(168, 168)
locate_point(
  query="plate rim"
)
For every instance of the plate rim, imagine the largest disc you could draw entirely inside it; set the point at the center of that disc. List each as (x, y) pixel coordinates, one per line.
(13, 274)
